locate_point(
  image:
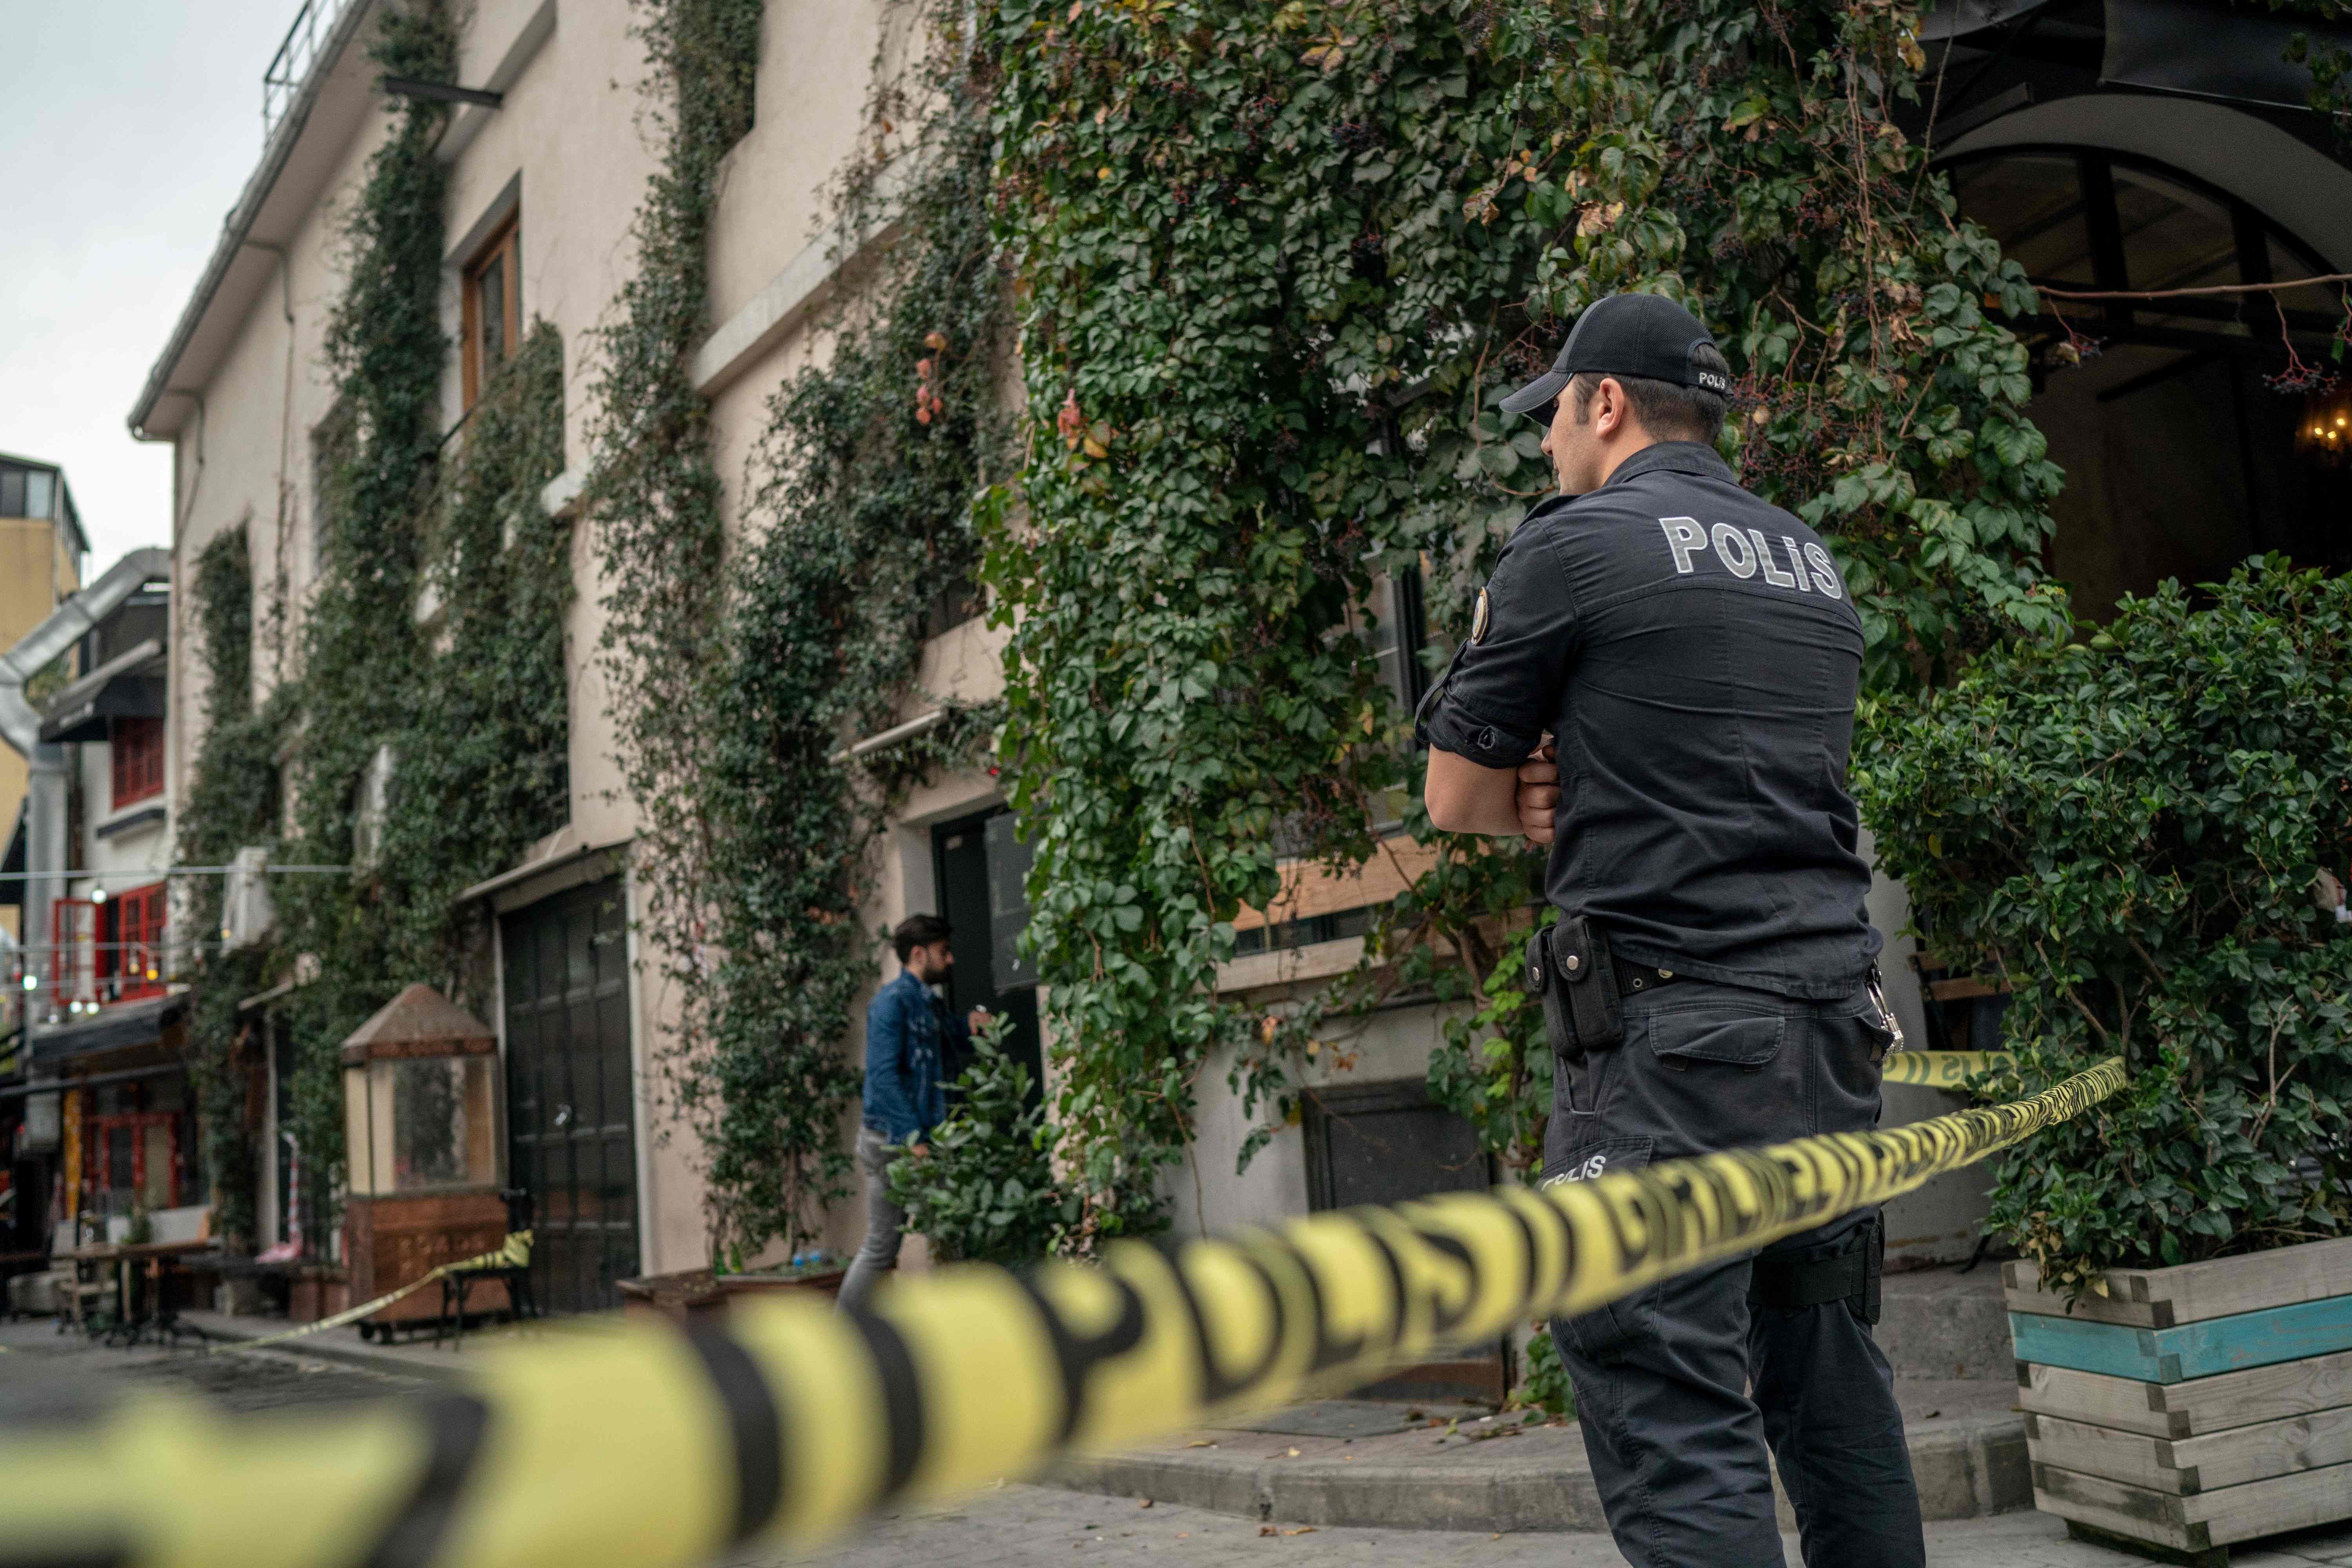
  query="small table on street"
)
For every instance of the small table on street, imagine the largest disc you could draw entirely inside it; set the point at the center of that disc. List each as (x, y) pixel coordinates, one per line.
(156, 1309)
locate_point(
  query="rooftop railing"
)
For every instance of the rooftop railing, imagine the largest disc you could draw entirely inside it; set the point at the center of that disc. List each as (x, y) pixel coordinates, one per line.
(290, 66)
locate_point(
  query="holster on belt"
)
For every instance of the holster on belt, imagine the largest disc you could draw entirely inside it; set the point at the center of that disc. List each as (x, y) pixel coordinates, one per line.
(1570, 967)
(1850, 1274)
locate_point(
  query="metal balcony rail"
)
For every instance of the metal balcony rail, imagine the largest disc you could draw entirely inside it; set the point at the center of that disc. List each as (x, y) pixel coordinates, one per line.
(290, 66)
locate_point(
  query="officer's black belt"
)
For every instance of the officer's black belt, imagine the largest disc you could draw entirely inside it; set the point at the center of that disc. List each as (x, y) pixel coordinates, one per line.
(1646, 978)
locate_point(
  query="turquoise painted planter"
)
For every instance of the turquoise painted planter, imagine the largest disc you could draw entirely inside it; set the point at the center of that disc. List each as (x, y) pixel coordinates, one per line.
(2190, 1350)
(2182, 1410)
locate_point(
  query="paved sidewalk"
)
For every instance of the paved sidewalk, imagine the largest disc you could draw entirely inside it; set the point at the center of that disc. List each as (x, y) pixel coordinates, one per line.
(1397, 1465)
(1020, 1525)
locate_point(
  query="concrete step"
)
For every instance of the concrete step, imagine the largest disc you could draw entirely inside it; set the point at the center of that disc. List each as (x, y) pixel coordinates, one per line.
(1938, 1323)
(1361, 1462)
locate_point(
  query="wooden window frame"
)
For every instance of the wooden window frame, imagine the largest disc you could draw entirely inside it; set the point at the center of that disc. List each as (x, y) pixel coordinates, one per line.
(502, 251)
(135, 747)
(131, 943)
(97, 1167)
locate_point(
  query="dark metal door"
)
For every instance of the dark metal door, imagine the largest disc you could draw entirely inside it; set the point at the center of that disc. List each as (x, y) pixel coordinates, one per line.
(980, 867)
(571, 1127)
(1387, 1143)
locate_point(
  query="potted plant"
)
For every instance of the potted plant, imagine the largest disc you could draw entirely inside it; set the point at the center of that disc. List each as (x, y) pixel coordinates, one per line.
(704, 1295)
(2127, 834)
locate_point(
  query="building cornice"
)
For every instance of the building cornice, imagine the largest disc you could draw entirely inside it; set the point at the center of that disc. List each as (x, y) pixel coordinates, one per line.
(300, 158)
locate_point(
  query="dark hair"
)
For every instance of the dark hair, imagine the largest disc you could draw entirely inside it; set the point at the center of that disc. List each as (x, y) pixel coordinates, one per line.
(918, 930)
(1668, 412)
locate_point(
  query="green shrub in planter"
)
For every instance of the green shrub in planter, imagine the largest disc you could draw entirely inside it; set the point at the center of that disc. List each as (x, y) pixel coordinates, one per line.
(2127, 832)
(985, 1190)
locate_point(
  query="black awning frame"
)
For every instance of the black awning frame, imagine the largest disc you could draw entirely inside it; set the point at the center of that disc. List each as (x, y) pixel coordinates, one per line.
(131, 685)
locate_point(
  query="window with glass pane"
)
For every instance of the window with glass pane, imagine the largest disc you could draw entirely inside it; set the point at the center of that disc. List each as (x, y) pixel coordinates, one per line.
(425, 1122)
(493, 308)
(40, 493)
(2317, 308)
(2173, 238)
(2034, 204)
(2177, 237)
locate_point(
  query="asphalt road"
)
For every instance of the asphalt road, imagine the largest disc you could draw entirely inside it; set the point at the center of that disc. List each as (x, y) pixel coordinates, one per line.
(43, 1372)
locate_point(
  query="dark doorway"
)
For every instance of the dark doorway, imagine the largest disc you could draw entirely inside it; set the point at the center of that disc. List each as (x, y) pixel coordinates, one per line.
(29, 1204)
(2189, 442)
(1387, 1143)
(980, 867)
(572, 1126)
(281, 1037)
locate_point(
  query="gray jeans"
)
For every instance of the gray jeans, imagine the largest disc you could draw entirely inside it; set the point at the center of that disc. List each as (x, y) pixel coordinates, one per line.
(886, 1222)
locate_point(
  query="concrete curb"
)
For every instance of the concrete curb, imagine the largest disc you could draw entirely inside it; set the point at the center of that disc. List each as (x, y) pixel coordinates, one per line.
(1967, 1468)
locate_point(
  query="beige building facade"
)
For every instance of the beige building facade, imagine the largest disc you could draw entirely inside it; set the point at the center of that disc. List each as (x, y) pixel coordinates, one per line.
(548, 182)
(544, 186)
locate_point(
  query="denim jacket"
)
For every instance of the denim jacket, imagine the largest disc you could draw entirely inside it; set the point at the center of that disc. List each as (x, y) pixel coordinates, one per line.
(904, 1099)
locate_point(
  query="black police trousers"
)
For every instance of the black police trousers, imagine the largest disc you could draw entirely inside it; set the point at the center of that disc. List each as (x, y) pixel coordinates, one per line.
(1681, 1387)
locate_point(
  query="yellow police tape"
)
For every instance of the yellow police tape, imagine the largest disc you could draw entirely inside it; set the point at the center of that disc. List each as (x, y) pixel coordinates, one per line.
(644, 1447)
(512, 1253)
(1942, 1069)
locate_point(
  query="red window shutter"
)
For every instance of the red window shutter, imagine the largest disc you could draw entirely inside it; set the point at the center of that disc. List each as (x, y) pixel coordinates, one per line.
(138, 748)
(131, 942)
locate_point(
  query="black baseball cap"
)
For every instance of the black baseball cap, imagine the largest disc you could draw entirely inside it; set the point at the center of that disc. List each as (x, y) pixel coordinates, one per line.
(1626, 334)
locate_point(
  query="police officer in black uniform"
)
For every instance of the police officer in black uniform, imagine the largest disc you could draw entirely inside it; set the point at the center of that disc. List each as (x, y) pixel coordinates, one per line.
(1693, 656)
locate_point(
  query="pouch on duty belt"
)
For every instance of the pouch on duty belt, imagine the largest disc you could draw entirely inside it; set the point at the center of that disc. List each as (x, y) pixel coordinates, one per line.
(1570, 967)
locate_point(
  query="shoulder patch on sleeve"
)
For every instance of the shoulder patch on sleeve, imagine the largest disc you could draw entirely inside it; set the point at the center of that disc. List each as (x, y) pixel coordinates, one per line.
(1481, 617)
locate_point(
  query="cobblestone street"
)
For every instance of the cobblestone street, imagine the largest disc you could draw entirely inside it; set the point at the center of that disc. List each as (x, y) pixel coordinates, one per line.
(43, 1372)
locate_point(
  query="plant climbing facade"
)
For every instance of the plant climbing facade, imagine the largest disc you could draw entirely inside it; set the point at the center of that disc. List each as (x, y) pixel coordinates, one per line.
(1023, 463)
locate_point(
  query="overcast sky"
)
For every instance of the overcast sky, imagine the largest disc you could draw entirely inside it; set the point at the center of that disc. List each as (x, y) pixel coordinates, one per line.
(131, 126)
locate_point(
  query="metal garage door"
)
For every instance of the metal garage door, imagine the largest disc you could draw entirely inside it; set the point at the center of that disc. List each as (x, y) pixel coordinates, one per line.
(569, 1110)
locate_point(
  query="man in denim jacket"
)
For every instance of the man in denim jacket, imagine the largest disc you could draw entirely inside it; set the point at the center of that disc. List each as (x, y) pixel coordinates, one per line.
(907, 1035)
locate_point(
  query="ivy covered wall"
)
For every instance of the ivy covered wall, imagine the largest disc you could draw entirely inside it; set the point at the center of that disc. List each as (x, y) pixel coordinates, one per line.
(1186, 335)
(746, 653)
(1280, 262)
(232, 801)
(420, 738)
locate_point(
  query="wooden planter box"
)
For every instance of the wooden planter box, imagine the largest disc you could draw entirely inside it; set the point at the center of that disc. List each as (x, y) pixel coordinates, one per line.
(698, 1295)
(2191, 1408)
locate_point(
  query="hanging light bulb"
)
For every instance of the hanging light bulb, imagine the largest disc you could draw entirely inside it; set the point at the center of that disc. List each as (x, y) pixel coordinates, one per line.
(2326, 434)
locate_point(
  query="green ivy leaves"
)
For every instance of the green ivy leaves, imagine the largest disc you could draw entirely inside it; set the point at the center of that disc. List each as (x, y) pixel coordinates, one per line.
(471, 707)
(1298, 273)
(231, 801)
(741, 676)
